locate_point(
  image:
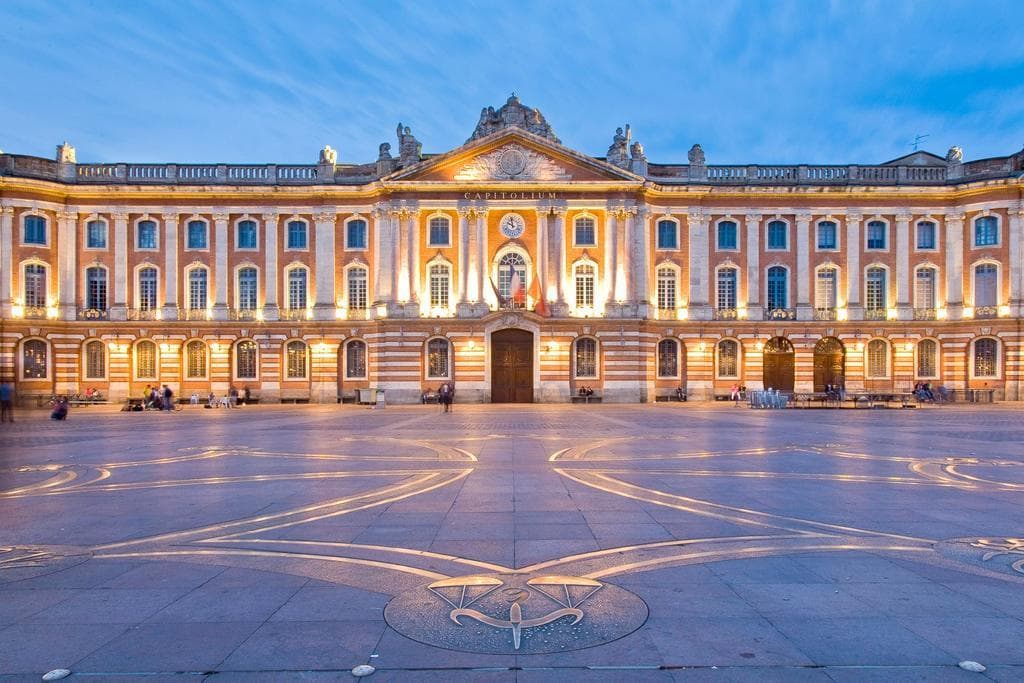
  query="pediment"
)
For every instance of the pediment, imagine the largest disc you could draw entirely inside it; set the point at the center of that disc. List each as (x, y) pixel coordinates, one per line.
(512, 155)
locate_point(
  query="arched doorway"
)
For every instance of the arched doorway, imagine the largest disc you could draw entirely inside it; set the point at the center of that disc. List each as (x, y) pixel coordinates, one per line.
(779, 364)
(512, 366)
(829, 363)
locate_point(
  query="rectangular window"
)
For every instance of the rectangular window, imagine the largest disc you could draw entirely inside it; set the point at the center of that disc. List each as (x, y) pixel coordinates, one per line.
(357, 289)
(986, 291)
(986, 231)
(197, 289)
(668, 235)
(35, 285)
(355, 234)
(439, 232)
(297, 278)
(876, 235)
(247, 289)
(726, 288)
(876, 298)
(96, 289)
(296, 235)
(778, 235)
(147, 289)
(246, 235)
(96, 235)
(827, 235)
(666, 289)
(727, 235)
(439, 286)
(585, 232)
(35, 230)
(925, 235)
(777, 294)
(924, 288)
(197, 235)
(584, 286)
(145, 235)
(825, 288)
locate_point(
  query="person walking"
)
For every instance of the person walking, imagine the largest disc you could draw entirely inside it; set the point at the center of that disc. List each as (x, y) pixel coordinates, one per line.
(168, 398)
(444, 395)
(6, 401)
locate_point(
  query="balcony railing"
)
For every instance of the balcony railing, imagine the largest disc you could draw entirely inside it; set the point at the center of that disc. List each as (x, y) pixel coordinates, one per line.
(924, 314)
(986, 311)
(93, 314)
(875, 314)
(193, 314)
(144, 314)
(243, 314)
(780, 314)
(725, 314)
(825, 314)
(34, 312)
(357, 314)
(293, 314)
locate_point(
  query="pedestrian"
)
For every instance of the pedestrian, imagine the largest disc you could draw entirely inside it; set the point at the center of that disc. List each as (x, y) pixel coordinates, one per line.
(735, 394)
(194, 400)
(60, 409)
(168, 398)
(246, 394)
(6, 401)
(233, 396)
(444, 395)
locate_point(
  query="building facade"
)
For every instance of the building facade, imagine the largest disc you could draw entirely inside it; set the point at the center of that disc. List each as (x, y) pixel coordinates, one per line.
(518, 268)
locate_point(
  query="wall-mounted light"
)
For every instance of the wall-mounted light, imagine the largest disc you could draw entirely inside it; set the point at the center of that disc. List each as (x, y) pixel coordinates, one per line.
(759, 346)
(18, 311)
(891, 314)
(940, 313)
(842, 314)
(741, 313)
(701, 346)
(968, 312)
(1004, 311)
(52, 312)
(908, 346)
(471, 345)
(682, 314)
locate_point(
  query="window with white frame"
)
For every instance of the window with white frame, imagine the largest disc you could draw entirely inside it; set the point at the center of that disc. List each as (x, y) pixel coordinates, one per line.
(35, 230)
(296, 237)
(728, 359)
(512, 270)
(986, 231)
(986, 285)
(726, 288)
(927, 358)
(876, 234)
(297, 355)
(355, 234)
(668, 234)
(198, 279)
(245, 237)
(926, 236)
(355, 359)
(585, 275)
(95, 360)
(438, 359)
(356, 288)
(248, 288)
(96, 235)
(585, 358)
(145, 360)
(924, 288)
(245, 359)
(826, 286)
(96, 288)
(147, 288)
(195, 359)
(298, 280)
(667, 285)
(986, 357)
(778, 288)
(668, 358)
(35, 285)
(828, 235)
(440, 285)
(727, 235)
(35, 359)
(145, 235)
(440, 231)
(585, 232)
(876, 294)
(196, 234)
(878, 359)
(778, 236)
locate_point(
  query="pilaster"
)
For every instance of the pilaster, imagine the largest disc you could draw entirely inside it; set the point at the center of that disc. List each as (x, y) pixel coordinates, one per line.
(904, 311)
(640, 255)
(384, 248)
(560, 309)
(170, 309)
(804, 311)
(119, 310)
(753, 222)
(542, 215)
(6, 258)
(67, 266)
(955, 264)
(697, 225)
(412, 257)
(324, 303)
(854, 309)
(270, 233)
(220, 268)
(463, 264)
(1016, 245)
(481, 258)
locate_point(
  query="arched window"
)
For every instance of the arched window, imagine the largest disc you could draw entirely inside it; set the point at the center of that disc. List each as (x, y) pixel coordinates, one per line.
(927, 359)
(826, 285)
(727, 235)
(876, 235)
(778, 290)
(355, 234)
(440, 232)
(926, 236)
(728, 359)
(878, 359)
(438, 359)
(95, 360)
(986, 357)
(248, 288)
(246, 235)
(440, 285)
(145, 235)
(296, 235)
(986, 231)
(355, 360)
(35, 230)
(668, 234)
(512, 271)
(778, 235)
(147, 288)
(986, 285)
(297, 354)
(96, 235)
(585, 232)
(585, 358)
(668, 358)
(924, 288)
(245, 359)
(96, 288)
(726, 289)
(35, 285)
(585, 276)
(297, 285)
(828, 236)
(356, 288)
(195, 356)
(876, 293)
(35, 359)
(197, 235)
(667, 285)
(197, 288)
(145, 360)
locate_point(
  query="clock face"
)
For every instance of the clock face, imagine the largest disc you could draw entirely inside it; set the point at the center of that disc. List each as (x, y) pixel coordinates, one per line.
(512, 225)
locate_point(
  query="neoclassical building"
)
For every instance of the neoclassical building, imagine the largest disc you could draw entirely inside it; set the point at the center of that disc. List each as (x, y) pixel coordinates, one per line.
(514, 266)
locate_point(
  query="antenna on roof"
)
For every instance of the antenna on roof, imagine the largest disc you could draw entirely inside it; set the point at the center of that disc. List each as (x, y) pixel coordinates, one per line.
(917, 141)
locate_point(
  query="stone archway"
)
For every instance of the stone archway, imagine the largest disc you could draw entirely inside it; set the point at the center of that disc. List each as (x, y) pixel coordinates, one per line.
(512, 366)
(829, 363)
(779, 364)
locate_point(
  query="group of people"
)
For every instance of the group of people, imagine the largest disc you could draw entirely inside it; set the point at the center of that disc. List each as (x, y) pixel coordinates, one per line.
(585, 392)
(737, 393)
(232, 399)
(157, 397)
(833, 392)
(923, 391)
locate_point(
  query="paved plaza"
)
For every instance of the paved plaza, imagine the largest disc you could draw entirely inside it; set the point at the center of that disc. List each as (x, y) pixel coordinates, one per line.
(514, 543)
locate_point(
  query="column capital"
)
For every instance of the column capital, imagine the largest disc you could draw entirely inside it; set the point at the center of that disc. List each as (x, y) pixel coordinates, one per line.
(325, 216)
(480, 212)
(903, 216)
(221, 216)
(464, 211)
(696, 217)
(955, 215)
(270, 216)
(854, 217)
(618, 211)
(73, 215)
(804, 217)
(170, 215)
(119, 215)
(753, 218)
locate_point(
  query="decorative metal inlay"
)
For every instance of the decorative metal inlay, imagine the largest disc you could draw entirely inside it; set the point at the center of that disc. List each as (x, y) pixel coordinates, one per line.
(516, 613)
(1003, 555)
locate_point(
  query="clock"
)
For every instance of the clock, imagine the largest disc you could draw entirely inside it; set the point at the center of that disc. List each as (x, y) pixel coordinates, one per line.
(512, 225)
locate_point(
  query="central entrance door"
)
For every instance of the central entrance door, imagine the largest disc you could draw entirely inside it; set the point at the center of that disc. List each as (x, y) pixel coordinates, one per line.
(779, 364)
(512, 366)
(829, 363)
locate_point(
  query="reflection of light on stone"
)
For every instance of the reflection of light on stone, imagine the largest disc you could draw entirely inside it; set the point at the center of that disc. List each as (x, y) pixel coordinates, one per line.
(382, 311)
(682, 314)
(968, 312)
(403, 285)
(620, 284)
(472, 286)
(842, 314)
(1004, 311)
(741, 313)
(891, 314)
(17, 310)
(940, 313)
(340, 313)
(51, 312)
(552, 293)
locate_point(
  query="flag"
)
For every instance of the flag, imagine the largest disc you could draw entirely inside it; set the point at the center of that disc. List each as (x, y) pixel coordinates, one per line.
(515, 287)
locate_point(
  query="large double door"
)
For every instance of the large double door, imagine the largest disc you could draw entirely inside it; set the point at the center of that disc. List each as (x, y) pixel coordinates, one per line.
(512, 366)
(779, 365)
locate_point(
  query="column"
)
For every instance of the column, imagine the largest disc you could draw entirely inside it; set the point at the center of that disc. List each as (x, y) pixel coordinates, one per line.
(481, 257)
(270, 233)
(220, 266)
(542, 214)
(1016, 244)
(119, 311)
(67, 266)
(754, 310)
(640, 246)
(170, 309)
(412, 259)
(954, 265)
(556, 261)
(6, 265)
(611, 254)
(697, 224)
(324, 305)
(463, 256)
(804, 310)
(623, 245)
(384, 250)
(396, 243)
(903, 307)
(855, 311)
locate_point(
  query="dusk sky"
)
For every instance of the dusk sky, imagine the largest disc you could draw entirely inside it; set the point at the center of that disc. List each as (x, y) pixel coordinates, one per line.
(256, 81)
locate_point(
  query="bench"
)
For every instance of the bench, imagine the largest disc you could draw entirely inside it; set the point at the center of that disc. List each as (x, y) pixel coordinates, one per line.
(596, 398)
(346, 398)
(429, 397)
(294, 400)
(668, 398)
(88, 401)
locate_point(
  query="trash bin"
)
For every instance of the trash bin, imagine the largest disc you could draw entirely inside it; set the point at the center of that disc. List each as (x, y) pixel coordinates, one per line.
(366, 396)
(379, 401)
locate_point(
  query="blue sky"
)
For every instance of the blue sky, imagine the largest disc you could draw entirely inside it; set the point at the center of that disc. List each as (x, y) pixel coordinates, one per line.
(258, 81)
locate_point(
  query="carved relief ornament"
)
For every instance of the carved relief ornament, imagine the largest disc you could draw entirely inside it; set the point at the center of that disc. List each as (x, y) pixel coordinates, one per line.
(512, 162)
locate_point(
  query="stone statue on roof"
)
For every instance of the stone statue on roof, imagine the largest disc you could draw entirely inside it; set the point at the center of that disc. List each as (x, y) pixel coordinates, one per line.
(409, 148)
(512, 114)
(328, 155)
(618, 153)
(955, 155)
(696, 156)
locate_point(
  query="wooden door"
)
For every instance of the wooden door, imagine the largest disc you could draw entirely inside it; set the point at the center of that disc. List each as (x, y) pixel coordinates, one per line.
(779, 372)
(828, 369)
(512, 366)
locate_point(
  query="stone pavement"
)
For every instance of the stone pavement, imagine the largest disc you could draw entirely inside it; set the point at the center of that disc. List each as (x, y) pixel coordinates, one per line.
(513, 543)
